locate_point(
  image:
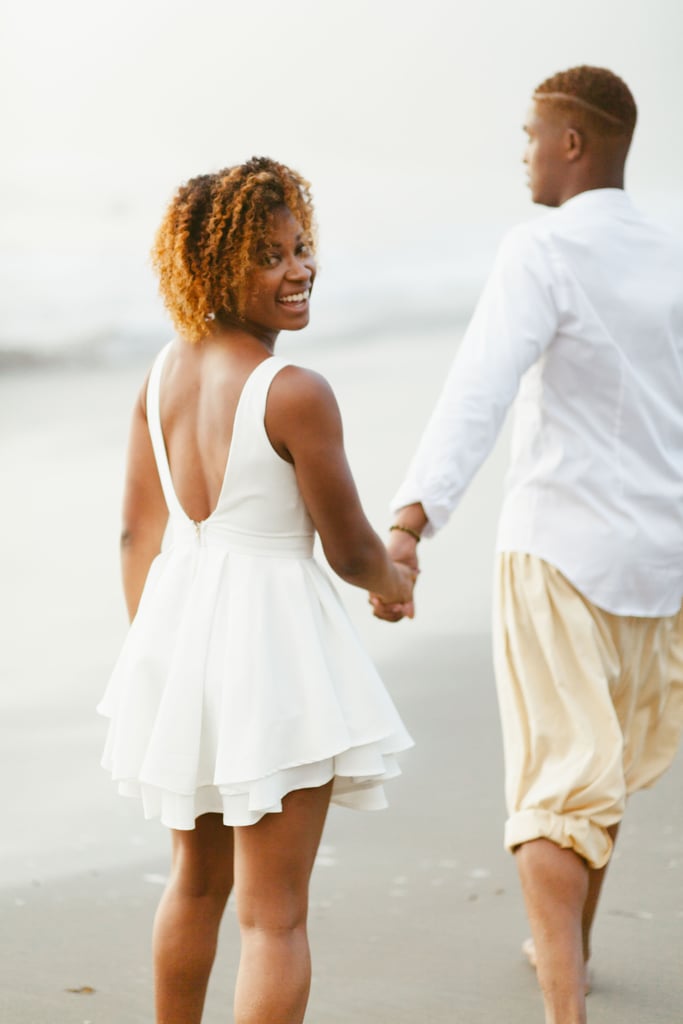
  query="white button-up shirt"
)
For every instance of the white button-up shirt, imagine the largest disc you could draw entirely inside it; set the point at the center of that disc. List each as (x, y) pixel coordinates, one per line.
(582, 320)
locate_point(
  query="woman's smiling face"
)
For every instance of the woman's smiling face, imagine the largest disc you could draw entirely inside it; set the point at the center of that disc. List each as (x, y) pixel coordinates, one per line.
(277, 290)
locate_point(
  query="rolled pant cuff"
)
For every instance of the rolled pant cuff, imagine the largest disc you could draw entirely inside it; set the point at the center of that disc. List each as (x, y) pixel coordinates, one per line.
(592, 842)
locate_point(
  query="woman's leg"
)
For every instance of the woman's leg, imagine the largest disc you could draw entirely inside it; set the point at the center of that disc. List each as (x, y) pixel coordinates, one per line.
(273, 864)
(187, 921)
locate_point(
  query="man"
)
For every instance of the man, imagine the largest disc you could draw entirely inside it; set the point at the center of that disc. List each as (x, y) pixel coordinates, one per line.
(582, 320)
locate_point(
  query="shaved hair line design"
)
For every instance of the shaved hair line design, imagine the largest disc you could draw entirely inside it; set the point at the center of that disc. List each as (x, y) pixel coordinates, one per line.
(566, 97)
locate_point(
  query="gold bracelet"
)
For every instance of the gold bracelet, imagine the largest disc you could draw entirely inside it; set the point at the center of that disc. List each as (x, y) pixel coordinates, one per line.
(406, 529)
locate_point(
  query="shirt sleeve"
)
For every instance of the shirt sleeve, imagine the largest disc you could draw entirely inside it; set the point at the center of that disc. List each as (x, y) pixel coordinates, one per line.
(514, 322)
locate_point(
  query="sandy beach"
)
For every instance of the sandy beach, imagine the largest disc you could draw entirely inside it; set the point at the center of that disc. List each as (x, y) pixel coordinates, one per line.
(416, 914)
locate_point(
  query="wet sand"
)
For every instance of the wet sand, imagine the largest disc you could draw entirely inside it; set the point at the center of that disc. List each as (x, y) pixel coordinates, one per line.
(416, 914)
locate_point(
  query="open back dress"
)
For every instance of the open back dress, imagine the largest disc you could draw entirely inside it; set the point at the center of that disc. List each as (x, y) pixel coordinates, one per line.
(242, 677)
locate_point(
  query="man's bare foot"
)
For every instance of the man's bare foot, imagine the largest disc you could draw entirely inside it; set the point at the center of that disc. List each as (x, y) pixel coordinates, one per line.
(529, 953)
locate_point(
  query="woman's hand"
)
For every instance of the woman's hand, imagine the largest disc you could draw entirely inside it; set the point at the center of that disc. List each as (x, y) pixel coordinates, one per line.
(400, 589)
(400, 606)
(396, 608)
(402, 549)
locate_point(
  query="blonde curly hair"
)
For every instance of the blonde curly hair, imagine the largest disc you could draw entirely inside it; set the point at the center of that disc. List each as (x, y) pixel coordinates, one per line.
(211, 235)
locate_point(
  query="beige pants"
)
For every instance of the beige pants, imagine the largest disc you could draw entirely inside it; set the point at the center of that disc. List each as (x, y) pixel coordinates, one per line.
(591, 706)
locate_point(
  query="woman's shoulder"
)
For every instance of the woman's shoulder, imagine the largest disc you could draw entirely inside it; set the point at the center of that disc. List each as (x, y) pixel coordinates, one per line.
(301, 409)
(299, 386)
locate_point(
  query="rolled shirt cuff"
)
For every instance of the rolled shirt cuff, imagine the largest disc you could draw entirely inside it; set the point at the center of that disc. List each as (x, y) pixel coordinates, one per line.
(437, 516)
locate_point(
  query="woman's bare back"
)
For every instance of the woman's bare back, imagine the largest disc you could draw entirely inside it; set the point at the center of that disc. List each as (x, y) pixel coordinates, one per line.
(200, 389)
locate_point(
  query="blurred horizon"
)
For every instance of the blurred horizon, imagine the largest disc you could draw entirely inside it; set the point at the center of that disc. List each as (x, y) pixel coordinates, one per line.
(406, 121)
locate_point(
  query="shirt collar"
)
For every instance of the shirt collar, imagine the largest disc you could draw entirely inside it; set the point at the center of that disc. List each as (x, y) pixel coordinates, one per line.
(597, 197)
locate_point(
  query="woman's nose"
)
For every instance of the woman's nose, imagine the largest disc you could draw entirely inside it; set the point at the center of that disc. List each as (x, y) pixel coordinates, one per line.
(300, 268)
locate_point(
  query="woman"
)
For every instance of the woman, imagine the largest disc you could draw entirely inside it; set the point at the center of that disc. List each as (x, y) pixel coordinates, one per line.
(242, 701)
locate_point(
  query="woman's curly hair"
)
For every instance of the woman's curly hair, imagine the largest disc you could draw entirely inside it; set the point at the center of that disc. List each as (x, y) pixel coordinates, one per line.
(211, 235)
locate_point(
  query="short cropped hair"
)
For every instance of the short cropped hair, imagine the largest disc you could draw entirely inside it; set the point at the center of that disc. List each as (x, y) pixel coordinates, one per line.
(211, 235)
(604, 102)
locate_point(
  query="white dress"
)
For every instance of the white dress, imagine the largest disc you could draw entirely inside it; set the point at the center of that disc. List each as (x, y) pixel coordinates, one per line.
(241, 677)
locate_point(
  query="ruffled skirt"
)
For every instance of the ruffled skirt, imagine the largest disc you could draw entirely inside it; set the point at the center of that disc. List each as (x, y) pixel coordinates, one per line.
(242, 679)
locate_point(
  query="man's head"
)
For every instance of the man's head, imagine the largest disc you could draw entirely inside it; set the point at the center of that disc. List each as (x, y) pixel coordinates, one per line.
(580, 126)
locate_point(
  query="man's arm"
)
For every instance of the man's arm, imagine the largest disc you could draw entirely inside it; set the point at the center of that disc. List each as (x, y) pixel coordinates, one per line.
(515, 320)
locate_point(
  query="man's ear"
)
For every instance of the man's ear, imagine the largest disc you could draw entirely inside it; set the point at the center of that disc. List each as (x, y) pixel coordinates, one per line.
(574, 144)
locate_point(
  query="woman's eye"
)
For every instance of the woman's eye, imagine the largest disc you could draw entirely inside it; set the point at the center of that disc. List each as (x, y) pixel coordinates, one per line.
(270, 259)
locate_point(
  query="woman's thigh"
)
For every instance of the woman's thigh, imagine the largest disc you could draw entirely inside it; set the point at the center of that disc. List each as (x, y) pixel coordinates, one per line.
(274, 859)
(203, 857)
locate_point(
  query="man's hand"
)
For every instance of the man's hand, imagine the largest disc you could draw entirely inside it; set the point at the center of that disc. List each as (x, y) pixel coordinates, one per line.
(402, 548)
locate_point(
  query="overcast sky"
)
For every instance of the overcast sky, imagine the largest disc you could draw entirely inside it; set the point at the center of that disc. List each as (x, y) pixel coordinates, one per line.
(406, 116)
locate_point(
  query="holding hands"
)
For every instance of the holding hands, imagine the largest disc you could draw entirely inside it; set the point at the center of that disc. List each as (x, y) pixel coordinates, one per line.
(404, 536)
(395, 606)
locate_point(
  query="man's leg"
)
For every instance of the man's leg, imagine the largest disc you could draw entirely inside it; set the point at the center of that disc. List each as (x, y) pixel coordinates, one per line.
(556, 666)
(591, 708)
(555, 885)
(596, 877)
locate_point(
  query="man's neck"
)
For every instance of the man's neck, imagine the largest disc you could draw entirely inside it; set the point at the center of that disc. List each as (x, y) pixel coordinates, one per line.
(613, 178)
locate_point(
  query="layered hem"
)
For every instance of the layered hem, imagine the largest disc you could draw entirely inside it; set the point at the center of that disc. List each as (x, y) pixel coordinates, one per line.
(254, 685)
(358, 773)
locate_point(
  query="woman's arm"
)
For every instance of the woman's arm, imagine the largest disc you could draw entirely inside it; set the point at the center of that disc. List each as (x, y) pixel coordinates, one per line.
(145, 514)
(304, 427)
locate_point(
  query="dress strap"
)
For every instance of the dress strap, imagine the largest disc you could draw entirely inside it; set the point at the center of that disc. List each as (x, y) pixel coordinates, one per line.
(249, 431)
(258, 384)
(157, 437)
